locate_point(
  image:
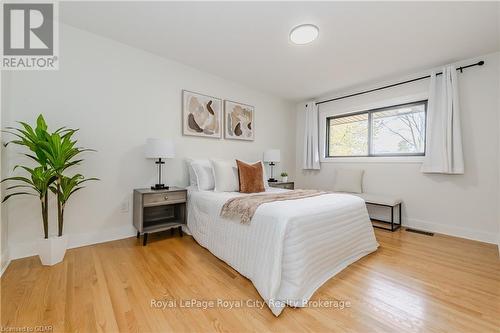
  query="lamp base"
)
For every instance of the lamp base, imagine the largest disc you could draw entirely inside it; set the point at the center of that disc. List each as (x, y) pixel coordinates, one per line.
(157, 187)
(272, 180)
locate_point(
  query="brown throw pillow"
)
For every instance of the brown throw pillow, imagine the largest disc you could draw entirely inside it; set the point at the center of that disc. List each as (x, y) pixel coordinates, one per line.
(250, 176)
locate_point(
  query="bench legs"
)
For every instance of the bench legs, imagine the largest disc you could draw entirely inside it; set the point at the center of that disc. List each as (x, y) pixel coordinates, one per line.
(393, 226)
(392, 218)
(400, 215)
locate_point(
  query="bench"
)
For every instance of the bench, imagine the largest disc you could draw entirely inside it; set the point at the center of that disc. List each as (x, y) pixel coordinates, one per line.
(384, 201)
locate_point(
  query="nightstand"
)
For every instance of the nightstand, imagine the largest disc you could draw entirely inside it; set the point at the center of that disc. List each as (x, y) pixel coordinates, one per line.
(285, 185)
(159, 210)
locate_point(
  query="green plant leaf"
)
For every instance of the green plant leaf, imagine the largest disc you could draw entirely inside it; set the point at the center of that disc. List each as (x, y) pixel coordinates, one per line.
(22, 179)
(76, 189)
(40, 123)
(17, 186)
(17, 193)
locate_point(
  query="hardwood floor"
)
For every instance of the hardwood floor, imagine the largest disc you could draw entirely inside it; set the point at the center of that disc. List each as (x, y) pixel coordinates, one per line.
(413, 283)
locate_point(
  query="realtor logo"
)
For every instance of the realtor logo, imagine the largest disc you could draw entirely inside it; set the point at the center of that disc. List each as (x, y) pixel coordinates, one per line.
(29, 36)
(28, 29)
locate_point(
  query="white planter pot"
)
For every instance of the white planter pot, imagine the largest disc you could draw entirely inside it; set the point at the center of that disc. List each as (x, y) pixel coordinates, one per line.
(52, 250)
(284, 179)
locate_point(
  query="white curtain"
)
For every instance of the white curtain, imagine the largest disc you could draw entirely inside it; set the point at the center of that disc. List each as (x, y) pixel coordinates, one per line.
(444, 136)
(311, 137)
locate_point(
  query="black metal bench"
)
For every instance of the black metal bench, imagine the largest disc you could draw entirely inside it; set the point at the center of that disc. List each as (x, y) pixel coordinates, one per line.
(385, 201)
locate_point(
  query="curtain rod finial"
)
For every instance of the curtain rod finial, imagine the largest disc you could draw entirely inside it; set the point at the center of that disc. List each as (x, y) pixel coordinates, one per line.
(481, 63)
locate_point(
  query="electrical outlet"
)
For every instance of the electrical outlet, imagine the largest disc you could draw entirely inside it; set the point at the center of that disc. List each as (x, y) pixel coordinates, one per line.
(124, 207)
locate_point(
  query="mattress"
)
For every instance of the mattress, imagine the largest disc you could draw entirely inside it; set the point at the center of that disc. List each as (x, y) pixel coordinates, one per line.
(290, 248)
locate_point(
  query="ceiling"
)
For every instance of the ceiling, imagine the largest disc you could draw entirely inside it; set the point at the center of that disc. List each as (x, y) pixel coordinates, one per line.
(247, 42)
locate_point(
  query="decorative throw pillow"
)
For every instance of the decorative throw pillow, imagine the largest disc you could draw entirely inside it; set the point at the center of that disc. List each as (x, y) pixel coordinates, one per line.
(348, 180)
(225, 175)
(204, 175)
(264, 175)
(250, 177)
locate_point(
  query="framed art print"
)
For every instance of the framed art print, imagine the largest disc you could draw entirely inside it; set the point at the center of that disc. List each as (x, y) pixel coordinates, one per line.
(201, 115)
(239, 121)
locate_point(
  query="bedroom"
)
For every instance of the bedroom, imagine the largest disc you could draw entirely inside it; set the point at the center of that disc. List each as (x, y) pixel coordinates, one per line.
(148, 80)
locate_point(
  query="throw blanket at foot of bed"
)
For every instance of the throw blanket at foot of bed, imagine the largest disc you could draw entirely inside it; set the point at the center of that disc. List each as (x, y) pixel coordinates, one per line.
(244, 207)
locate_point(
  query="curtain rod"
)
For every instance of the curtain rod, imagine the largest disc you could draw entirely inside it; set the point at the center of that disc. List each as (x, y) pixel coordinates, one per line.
(461, 68)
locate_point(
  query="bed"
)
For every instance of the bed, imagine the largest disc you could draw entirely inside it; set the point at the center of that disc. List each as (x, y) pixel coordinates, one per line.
(290, 248)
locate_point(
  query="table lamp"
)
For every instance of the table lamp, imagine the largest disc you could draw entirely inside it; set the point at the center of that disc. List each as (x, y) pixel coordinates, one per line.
(272, 156)
(158, 149)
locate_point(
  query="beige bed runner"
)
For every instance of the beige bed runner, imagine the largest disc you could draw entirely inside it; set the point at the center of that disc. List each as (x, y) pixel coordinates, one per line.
(244, 207)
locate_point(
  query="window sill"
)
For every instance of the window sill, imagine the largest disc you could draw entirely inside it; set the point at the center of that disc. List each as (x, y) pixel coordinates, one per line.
(377, 159)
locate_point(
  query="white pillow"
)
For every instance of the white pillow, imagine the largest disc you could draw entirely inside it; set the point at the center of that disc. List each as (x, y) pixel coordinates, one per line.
(192, 174)
(226, 176)
(204, 175)
(348, 180)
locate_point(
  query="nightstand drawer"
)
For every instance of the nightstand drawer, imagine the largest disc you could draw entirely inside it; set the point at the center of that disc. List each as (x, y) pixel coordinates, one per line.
(286, 186)
(164, 198)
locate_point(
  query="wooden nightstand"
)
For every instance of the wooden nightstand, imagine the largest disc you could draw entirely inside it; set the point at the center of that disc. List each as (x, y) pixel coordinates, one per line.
(285, 185)
(159, 210)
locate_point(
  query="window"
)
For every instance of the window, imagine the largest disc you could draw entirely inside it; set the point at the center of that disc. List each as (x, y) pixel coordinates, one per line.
(397, 130)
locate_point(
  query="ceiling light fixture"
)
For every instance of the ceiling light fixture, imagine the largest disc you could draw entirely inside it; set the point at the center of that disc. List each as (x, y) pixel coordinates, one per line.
(304, 34)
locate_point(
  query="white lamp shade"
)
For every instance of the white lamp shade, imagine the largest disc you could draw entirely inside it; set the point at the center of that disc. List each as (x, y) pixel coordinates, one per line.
(272, 155)
(159, 148)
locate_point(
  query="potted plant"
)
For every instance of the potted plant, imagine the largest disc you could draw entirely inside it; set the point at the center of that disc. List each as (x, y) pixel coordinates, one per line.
(60, 151)
(284, 177)
(53, 153)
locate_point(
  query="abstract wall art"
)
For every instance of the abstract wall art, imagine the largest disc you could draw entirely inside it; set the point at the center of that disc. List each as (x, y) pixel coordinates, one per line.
(239, 121)
(201, 115)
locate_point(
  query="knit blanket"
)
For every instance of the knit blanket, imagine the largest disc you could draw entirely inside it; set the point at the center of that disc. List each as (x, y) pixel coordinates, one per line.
(244, 207)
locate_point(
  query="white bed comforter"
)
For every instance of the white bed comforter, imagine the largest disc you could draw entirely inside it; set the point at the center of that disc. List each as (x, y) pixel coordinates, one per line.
(290, 248)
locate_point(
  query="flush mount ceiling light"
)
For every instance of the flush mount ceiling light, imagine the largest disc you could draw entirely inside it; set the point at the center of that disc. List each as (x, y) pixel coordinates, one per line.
(304, 34)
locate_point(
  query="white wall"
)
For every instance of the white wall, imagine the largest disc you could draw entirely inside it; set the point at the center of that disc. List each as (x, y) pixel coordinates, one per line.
(118, 96)
(498, 23)
(4, 253)
(461, 205)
